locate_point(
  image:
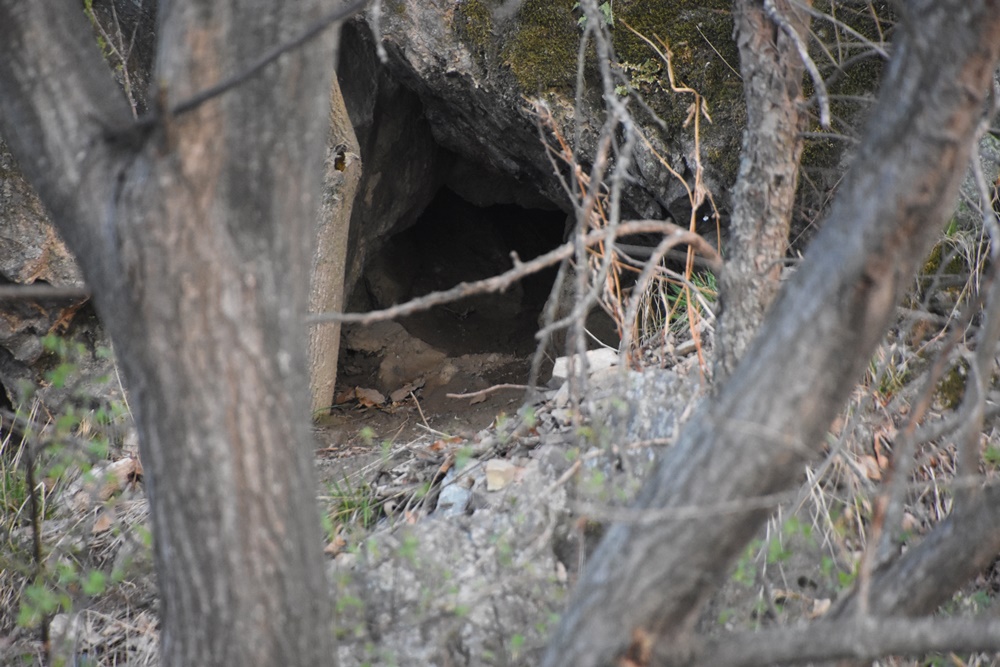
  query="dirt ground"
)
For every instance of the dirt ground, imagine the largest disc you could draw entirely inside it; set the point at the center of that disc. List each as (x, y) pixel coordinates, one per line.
(395, 387)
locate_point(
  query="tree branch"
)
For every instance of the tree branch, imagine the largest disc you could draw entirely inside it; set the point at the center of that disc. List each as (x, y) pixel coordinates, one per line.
(678, 235)
(928, 574)
(815, 344)
(862, 639)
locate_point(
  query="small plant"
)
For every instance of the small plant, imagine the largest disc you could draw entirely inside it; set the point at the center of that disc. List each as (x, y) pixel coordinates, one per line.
(352, 504)
(668, 305)
(49, 457)
(746, 571)
(992, 457)
(607, 15)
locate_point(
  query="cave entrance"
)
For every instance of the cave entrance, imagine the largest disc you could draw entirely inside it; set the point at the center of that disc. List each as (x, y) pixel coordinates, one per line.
(453, 241)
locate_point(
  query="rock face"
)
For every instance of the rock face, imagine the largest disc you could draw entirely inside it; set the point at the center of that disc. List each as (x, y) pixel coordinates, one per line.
(475, 65)
(30, 253)
(451, 107)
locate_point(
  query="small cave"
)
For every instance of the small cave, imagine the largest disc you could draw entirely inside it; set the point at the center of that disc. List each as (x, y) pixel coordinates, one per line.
(455, 241)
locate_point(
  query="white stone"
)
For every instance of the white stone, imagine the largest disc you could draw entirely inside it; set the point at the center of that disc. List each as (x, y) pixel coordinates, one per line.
(597, 360)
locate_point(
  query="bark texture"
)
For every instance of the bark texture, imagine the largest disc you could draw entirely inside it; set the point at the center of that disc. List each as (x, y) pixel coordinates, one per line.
(194, 236)
(342, 176)
(653, 575)
(764, 194)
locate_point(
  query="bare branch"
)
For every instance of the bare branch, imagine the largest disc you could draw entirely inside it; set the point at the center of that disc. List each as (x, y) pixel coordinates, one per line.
(863, 639)
(13, 292)
(800, 46)
(508, 278)
(817, 340)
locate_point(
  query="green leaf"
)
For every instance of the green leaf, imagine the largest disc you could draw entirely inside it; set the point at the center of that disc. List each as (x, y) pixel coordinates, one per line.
(94, 583)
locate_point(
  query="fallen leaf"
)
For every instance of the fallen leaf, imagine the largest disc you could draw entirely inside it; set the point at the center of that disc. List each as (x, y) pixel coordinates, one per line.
(105, 519)
(369, 398)
(872, 469)
(499, 473)
(336, 545)
(819, 608)
(346, 396)
(481, 398)
(404, 392)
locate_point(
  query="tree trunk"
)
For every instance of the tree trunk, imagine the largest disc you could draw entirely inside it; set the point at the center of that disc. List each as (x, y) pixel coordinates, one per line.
(343, 173)
(695, 515)
(764, 194)
(194, 236)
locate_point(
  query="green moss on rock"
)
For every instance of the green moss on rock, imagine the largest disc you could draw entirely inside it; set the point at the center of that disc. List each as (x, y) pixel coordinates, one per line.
(846, 86)
(474, 25)
(951, 388)
(704, 57)
(542, 51)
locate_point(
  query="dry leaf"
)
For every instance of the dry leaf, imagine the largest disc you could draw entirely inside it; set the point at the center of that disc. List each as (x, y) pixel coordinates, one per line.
(346, 396)
(105, 519)
(499, 473)
(403, 392)
(871, 467)
(819, 608)
(478, 399)
(370, 398)
(337, 544)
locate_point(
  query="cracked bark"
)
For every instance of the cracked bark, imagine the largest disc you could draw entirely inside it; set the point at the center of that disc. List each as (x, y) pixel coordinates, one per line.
(764, 194)
(194, 239)
(647, 582)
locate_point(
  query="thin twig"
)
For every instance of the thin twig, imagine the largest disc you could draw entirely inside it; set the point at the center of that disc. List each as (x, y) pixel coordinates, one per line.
(508, 278)
(490, 390)
(821, 95)
(36, 291)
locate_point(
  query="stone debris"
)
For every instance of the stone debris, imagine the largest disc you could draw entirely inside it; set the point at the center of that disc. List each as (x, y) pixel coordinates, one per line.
(595, 360)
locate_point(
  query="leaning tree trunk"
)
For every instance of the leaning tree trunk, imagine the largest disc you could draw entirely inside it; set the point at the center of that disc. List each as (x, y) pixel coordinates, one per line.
(193, 234)
(648, 580)
(764, 194)
(343, 174)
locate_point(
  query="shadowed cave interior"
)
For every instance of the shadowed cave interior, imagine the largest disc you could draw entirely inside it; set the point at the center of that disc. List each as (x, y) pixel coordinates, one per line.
(455, 241)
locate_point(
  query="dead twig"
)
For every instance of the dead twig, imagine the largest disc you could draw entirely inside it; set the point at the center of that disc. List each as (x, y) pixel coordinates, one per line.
(494, 388)
(12, 292)
(508, 278)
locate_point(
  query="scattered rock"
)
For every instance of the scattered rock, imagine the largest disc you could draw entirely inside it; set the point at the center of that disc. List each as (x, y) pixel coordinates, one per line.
(594, 361)
(500, 473)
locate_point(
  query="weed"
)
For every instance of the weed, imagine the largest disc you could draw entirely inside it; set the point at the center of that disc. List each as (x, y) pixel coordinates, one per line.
(607, 15)
(351, 504)
(992, 457)
(54, 466)
(746, 570)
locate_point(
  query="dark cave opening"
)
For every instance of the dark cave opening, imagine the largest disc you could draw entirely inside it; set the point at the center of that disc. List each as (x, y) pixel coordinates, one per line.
(456, 241)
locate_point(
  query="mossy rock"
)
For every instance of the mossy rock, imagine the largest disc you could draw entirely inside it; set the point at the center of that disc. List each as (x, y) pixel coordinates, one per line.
(951, 389)
(542, 51)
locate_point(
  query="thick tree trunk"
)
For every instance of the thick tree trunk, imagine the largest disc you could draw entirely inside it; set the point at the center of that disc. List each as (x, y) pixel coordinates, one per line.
(651, 576)
(194, 237)
(764, 194)
(340, 183)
